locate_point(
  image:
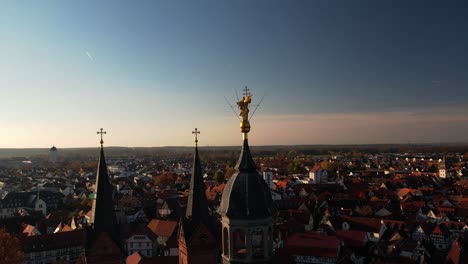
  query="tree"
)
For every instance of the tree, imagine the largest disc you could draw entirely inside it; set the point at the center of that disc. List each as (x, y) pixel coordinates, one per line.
(229, 172)
(164, 179)
(330, 167)
(10, 248)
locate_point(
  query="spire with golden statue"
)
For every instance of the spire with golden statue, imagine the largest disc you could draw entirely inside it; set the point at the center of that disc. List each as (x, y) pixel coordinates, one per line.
(246, 204)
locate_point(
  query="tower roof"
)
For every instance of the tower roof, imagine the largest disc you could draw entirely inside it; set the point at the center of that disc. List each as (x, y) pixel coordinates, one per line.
(53, 148)
(197, 213)
(197, 205)
(103, 215)
(246, 195)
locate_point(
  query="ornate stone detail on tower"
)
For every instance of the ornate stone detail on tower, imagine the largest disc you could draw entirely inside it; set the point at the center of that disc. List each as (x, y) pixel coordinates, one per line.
(246, 206)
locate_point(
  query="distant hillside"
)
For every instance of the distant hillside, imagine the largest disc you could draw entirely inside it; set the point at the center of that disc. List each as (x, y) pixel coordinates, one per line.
(259, 150)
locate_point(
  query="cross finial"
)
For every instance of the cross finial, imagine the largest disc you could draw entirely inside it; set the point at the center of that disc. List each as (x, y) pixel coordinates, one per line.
(196, 132)
(246, 91)
(102, 132)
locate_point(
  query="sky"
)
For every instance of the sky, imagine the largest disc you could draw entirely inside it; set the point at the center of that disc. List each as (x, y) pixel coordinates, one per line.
(149, 72)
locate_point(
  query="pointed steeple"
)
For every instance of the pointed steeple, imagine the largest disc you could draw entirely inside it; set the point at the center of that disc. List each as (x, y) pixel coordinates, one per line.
(197, 205)
(103, 215)
(246, 162)
(197, 243)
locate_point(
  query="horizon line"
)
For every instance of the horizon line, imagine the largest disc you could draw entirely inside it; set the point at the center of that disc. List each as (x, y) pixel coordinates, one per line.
(272, 145)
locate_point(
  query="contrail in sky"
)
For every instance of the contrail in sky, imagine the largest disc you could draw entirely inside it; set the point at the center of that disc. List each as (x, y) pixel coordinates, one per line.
(89, 56)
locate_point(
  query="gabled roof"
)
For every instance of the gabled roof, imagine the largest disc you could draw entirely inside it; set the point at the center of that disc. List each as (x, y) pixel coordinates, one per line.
(30, 230)
(162, 227)
(382, 212)
(134, 258)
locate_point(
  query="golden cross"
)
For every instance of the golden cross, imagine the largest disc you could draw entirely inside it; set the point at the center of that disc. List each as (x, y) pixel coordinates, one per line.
(246, 91)
(196, 132)
(102, 132)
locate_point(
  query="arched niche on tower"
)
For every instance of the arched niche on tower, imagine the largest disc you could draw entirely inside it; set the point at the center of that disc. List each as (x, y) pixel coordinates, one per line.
(240, 246)
(269, 242)
(258, 243)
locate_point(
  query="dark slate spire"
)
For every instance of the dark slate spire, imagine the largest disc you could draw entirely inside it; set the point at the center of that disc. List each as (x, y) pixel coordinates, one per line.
(103, 205)
(197, 205)
(246, 195)
(197, 216)
(245, 162)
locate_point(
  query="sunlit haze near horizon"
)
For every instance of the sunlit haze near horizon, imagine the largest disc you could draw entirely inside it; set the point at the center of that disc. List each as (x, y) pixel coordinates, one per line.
(149, 72)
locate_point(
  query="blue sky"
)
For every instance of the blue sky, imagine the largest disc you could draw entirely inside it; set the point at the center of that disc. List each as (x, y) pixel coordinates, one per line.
(332, 72)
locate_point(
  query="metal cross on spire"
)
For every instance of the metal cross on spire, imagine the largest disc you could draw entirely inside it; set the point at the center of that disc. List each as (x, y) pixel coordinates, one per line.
(196, 132)
(102, 132)
(246, 91)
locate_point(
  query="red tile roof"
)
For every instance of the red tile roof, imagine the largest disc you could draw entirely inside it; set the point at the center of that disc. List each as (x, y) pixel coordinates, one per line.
(133, 258)
(162, 227)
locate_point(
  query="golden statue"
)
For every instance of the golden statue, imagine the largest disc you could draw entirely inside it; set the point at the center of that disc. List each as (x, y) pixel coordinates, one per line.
(244, 107)
(244, 111)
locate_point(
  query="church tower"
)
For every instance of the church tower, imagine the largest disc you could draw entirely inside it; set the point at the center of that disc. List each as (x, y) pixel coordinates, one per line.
(197, 239)
(103, 215)
(246, 206)
(103, 239)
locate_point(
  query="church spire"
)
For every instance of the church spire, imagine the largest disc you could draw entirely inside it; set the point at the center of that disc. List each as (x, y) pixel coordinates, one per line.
(246, 205)
(103, 215)
(197, 242)
(197, 205)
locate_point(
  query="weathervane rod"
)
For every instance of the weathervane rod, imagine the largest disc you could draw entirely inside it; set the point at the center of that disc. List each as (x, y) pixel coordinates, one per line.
(237, 95)
(256, 107)
(232, 108)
